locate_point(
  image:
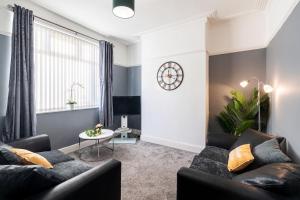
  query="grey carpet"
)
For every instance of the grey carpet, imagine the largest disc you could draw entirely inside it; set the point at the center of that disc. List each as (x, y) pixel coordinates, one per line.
(148, 170)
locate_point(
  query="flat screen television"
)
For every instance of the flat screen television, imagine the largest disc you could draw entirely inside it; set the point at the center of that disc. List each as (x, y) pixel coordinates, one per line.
(127, 105)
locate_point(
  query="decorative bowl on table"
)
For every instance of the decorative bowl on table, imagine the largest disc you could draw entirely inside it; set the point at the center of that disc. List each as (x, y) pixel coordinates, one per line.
(94, 132)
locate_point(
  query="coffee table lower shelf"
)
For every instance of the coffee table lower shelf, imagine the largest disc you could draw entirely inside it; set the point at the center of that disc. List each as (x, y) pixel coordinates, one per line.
(105, 137)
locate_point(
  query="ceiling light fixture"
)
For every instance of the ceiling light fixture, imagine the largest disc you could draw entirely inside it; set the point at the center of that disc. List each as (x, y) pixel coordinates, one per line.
(123, 8)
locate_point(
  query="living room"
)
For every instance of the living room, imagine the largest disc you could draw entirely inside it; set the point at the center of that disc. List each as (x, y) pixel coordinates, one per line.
(149, 100)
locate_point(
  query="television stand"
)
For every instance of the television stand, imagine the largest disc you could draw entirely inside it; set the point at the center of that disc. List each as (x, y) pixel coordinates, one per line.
(124, 130)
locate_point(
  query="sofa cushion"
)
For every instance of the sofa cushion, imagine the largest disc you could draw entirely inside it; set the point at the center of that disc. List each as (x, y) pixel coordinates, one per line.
(71, 169)
(55, 156)
(5, 145)
(215, 153)
(9, 158)
(240, 158)
(269, 152)
(211, 167)
(22, 181)
(276, 177)
(30, 158)
(255, 138)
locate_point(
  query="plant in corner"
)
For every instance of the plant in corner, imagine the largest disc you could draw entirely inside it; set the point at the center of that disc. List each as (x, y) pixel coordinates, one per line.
(242, 113)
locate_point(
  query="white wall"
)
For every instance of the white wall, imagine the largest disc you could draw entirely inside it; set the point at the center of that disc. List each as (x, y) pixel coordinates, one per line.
(135, 55)
(176, 118)
(283, 73)
(250, 31)
(241, 33)
(277, 13)
(120, 50)
(6, 17)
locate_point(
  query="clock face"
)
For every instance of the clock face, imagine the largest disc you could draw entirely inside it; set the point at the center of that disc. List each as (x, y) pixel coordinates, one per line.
(170, 76)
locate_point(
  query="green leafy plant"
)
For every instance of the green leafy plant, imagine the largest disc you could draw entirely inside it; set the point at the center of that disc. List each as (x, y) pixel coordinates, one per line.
(242, 113)
(94, 132)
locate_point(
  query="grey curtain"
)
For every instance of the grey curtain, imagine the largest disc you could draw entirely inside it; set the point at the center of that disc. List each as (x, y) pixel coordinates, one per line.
(20, 118)
(106, 81)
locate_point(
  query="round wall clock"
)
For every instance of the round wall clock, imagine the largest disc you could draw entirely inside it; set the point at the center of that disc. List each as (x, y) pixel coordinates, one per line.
(170, 75)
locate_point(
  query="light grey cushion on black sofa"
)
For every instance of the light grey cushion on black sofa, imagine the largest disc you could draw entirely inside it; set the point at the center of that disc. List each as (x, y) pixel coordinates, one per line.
(215, 153)
(269, 152)
(65, 165)
(71, 169)
(55, 156)
(211, 166)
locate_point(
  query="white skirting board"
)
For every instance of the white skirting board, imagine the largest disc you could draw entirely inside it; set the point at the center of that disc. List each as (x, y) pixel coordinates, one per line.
(123, 141)
(75, 147)
(174, 144)
(155, 140)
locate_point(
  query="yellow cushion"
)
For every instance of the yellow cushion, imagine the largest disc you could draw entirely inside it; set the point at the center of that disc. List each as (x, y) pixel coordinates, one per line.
(31, 158)
(239, 158)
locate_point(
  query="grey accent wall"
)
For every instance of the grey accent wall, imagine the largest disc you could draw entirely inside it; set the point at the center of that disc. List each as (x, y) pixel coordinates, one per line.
(283, 71)
(127, 82)
(225, 73)
(134, 81)
(64, 127)
(120, 81)
(5, 46)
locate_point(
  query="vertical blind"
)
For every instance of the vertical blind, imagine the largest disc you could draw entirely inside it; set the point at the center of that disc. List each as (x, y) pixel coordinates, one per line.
(62, 59)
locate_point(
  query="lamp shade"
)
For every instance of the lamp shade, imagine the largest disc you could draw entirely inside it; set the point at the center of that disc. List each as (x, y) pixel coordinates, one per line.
(123, 8)
(244, 84)
(6, 21)
(268, 88)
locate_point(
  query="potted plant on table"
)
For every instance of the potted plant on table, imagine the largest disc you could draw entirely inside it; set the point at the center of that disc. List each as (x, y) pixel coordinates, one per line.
(94, 132)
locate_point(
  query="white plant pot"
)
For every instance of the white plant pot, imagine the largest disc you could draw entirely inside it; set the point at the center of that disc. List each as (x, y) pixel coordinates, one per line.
(72, 106)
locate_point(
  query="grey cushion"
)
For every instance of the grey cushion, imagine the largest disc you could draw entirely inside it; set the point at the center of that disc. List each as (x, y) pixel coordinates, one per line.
(5, 145)
(269, 152)
(215, 153)
(211, 167)
(71, 169)
(16, 180)
(276, 177)
(9, 158)
(55, 156)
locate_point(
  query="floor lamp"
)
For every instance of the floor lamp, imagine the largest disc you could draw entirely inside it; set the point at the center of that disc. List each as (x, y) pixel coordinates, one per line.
(267, 88)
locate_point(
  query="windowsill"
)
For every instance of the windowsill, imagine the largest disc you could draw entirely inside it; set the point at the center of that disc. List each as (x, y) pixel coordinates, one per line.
(66, 110)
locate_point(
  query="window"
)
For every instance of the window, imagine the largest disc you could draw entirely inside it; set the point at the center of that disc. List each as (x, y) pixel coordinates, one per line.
(62, 60)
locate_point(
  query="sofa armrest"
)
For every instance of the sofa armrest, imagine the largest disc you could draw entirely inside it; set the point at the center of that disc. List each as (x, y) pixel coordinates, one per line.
(193, 184)
(36, 143)
(101, 182)
(222, 140)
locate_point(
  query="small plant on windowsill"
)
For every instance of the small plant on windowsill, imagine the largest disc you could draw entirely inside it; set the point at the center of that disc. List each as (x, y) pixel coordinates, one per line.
(94, 132)
(71, 102)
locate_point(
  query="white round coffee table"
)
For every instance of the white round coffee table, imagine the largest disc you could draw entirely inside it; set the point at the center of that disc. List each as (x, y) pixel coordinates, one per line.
(106, 135)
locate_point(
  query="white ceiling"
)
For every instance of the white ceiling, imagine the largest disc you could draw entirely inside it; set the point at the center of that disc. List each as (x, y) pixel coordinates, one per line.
(97, 14)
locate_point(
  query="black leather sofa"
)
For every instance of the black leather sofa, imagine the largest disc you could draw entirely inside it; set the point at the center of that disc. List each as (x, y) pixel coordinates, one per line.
(101, 182)
(194, 183)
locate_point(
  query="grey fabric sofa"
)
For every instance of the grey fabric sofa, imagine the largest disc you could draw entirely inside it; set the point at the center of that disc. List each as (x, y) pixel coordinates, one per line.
(82, 180)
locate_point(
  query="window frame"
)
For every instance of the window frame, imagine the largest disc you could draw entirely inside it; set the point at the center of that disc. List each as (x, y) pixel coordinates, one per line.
(53, 27)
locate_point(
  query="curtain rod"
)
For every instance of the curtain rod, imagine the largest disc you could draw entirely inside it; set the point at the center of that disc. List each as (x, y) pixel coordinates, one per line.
(10, 7)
